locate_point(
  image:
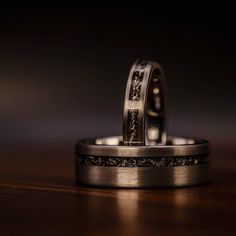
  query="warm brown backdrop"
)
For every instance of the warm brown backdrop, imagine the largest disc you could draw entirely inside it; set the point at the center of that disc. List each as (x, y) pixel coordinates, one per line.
(62, 77)
(63, 70)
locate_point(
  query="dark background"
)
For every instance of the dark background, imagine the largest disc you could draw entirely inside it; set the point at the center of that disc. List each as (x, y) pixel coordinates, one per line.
(63, 70)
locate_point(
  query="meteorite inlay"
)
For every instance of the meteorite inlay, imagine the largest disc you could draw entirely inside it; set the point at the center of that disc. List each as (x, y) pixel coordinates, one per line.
(142, 161)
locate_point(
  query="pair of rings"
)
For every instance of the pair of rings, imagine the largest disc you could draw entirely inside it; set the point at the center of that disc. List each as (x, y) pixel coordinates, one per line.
(145, 156)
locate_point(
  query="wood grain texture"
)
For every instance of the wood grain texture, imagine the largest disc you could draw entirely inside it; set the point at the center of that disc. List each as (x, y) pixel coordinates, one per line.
(38, 197)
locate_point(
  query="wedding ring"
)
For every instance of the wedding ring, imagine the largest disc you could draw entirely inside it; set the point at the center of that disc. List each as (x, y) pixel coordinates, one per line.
(145, 118)
(106, 162)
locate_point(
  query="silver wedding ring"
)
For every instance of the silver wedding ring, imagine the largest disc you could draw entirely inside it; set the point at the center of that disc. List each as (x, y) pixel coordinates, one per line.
(145, 118)
(144, 156)
(106, 162)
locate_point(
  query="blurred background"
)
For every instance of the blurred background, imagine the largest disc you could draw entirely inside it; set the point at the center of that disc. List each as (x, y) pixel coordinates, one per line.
(63, 70)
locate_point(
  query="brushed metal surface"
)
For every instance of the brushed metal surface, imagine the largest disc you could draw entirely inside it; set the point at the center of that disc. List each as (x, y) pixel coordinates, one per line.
(112, 146)
(142, 177)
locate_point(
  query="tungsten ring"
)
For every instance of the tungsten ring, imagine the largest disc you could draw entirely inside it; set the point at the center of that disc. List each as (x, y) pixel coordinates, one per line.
(106, 162)
(145, 118)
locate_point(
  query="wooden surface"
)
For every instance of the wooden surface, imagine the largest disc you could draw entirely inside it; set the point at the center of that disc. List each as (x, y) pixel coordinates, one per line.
(38, 197)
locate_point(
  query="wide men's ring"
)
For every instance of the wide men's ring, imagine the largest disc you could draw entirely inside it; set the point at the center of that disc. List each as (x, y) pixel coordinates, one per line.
(144, 119)
(106, 162)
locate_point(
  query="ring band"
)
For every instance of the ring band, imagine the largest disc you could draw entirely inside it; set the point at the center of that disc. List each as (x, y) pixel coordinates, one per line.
(144, 120)
(105, 162)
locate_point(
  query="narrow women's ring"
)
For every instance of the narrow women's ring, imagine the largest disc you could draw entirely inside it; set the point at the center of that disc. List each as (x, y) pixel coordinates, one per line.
(144, 120)
(106, 162)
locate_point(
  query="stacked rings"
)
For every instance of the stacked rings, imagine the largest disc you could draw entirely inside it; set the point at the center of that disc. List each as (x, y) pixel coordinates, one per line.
(144, 156)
